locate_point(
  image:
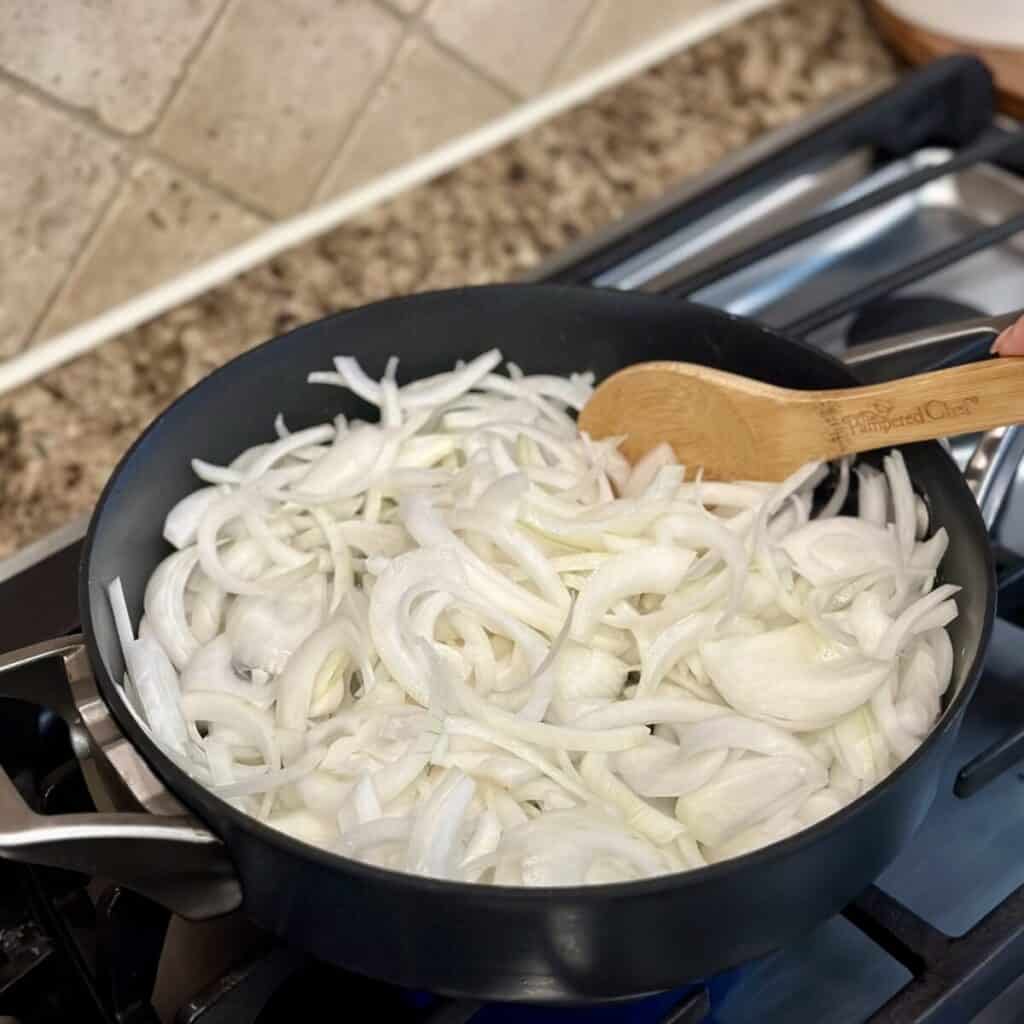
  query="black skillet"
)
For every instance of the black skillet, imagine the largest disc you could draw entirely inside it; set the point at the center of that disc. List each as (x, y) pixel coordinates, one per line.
(554, 945)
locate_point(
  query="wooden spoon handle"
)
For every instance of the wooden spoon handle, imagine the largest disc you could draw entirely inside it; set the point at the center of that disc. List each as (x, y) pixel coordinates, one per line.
(960, 400)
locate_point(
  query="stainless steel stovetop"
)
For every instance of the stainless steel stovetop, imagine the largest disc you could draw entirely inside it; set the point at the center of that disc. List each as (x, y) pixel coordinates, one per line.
(884, 213)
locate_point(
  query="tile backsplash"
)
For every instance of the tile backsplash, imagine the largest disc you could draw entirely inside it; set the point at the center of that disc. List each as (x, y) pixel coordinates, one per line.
(143, 138)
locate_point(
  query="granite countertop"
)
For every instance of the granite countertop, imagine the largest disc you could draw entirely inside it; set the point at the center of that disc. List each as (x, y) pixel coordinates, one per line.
(490, 220)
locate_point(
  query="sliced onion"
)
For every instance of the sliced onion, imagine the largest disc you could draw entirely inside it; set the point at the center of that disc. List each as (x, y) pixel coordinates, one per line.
(469, 642)
(164, 603)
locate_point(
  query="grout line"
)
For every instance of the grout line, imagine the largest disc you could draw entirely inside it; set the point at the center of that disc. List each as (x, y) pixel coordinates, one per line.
(133, 147)
(89, 118)
(298, 229)
(90, 243)
(123, 167)
(398, 12)
(372, 91)
(219, 189)
(589, 15)
(186, 66)
(433, 39)
(83, 121)
(81, 115)
(419, 32)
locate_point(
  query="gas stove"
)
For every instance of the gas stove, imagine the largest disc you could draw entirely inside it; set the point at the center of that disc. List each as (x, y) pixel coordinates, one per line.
(885, 213)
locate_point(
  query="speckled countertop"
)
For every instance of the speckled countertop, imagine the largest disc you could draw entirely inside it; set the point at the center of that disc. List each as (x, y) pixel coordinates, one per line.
(489, 220)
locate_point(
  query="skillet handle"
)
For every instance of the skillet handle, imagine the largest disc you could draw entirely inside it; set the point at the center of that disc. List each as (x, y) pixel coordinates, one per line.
(930, 339)
(169, 857)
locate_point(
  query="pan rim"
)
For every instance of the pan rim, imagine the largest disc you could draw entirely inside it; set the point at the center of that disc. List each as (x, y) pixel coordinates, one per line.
(181, 785)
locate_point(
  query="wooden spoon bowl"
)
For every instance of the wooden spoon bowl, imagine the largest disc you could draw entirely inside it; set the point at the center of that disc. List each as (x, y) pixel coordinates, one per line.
(741, 429)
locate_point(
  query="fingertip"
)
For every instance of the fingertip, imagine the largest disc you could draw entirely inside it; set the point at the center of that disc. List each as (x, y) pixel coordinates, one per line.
(1010, 342)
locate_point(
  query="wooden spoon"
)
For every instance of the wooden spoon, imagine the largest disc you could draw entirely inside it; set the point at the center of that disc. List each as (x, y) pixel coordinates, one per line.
(737, 428)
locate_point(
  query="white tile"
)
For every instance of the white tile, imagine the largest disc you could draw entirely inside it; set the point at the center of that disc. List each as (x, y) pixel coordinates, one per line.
(55, 179)
(516, 41)
(267, 104)
(161, 225)
(119, 59)
(614, 28)
(427, 99)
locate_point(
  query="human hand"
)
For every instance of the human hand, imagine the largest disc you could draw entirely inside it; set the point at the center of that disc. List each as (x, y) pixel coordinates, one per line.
(1011, 341)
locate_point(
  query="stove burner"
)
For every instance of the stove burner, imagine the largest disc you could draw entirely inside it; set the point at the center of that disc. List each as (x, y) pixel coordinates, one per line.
(897, 314)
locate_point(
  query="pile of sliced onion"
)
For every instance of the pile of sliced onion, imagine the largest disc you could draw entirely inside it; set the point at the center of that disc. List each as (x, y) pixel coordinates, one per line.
(468, 641)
